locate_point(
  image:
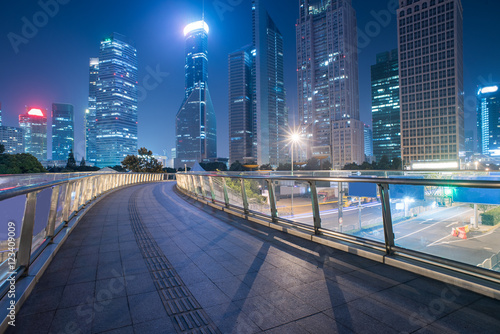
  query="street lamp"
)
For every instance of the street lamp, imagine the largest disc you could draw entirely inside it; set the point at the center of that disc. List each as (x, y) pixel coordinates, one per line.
(294, 139)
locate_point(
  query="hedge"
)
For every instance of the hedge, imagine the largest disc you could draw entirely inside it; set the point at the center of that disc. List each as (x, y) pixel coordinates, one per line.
(491, 217)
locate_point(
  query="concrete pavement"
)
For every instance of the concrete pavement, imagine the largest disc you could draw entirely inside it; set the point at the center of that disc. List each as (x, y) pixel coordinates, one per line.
(145, 260)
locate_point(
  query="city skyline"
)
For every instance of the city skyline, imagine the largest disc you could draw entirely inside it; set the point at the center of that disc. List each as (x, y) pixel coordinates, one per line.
(160, 62)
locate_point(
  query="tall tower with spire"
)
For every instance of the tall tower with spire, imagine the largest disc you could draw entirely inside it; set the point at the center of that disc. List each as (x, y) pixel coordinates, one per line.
(195, 123)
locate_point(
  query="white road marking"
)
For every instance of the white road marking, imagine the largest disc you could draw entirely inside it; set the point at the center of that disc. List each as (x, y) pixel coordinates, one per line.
(425, 228)
(455, 223)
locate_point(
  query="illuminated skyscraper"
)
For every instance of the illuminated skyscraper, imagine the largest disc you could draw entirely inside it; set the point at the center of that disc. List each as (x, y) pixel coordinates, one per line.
(116, 101)
(270, 115)
(430, 37)
(386, 119)
(327, 74)
(11, 137)
(34, 125)
(241, 115)
(90, 113)
(368, 134)
(196, 129)
(63, 130)
(488, 120)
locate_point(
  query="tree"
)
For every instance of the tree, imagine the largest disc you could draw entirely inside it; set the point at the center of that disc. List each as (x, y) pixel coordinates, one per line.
(71, 164)
(266, 167)
(213, 166)
(119, 169)
(397, 164)
(169, 170)
(83, 163)
(2, 149)
(183, 169)
(21, 163)
(236, 167)
(144, 162)
(284, 167)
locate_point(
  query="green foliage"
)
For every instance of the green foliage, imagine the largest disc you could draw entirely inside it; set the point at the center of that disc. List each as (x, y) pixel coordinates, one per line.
(383, 164)
(236, 167)
(182, 169)
(213, 166)
(118, 168)
(252, 189)
(144, 162)
(169, 170)
(2, 149)
(71, 164)
(266, 167)
(284, 167)
(491, 217)
(83, 163)
(21, 163)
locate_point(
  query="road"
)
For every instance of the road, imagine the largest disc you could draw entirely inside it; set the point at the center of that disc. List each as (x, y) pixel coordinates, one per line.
(429, 232)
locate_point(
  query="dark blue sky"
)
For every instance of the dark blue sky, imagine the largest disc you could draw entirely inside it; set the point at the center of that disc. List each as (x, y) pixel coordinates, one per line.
(53, 65)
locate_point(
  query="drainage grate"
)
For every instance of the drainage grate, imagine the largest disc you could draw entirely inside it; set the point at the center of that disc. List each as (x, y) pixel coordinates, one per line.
(186, 313)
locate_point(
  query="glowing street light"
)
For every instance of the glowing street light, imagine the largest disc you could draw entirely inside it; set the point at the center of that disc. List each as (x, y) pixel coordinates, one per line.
(294, 138)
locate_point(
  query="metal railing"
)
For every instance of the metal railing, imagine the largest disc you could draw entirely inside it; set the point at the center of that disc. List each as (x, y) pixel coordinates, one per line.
(31, 216)
(377, 212)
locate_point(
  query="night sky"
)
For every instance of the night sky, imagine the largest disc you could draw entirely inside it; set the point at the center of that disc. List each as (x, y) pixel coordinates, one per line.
(53, 65)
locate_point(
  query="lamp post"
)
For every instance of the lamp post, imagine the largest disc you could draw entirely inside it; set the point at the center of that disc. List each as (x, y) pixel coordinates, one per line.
(294, 138)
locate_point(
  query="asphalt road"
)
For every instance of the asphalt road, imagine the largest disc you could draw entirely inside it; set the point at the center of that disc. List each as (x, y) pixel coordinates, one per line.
(429, 232)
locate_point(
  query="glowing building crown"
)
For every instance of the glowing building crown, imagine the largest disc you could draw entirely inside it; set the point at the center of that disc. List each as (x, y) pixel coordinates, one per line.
(199, 25)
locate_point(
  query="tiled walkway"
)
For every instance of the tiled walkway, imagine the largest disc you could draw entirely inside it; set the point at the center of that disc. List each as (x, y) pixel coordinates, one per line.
(144, 260)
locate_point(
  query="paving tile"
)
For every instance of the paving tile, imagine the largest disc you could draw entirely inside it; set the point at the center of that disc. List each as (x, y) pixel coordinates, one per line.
(357, 321)
(72, 320)
(140, 283)
(42, 301)
(53, 279)
(109, 270)
(38, 323)
(146, 307)
(321, 323)
(161, 325)
(76, 294)
(111, 314)
(229, 318)
(110, 288)
(208, 294)
(82, 274)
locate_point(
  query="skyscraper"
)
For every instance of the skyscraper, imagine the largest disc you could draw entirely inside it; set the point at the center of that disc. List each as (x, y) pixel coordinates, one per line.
(430, 37)
(241, 111)
(90, 113)
(327, 74)
(63, 130)
(11, 137)
(368, 136)
(116, 101)
(386, 119)
(488, 120)
(270, 115)
(34, 125)
(196, 129)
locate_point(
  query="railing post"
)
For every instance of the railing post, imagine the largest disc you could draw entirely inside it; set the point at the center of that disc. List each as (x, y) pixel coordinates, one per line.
(226, 195)
(315, 207)
(387, 217)
(51, 224)
(67, 201)
(244, 196)
(272, 200)
(212, 192)
(341, 206)
(202, 186)
(26, 237)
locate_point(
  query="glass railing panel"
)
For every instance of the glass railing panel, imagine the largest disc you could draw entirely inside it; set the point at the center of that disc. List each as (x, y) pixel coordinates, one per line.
(293, 201)
(456, 223)
(60, 206)
(41, 218)
(218, 189)
(258, 196)
(205, 182)
(11, 220)
(234, 191)
(361, 213)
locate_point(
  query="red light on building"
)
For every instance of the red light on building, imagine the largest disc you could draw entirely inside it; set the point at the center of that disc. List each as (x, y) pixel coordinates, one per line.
(36, 112)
